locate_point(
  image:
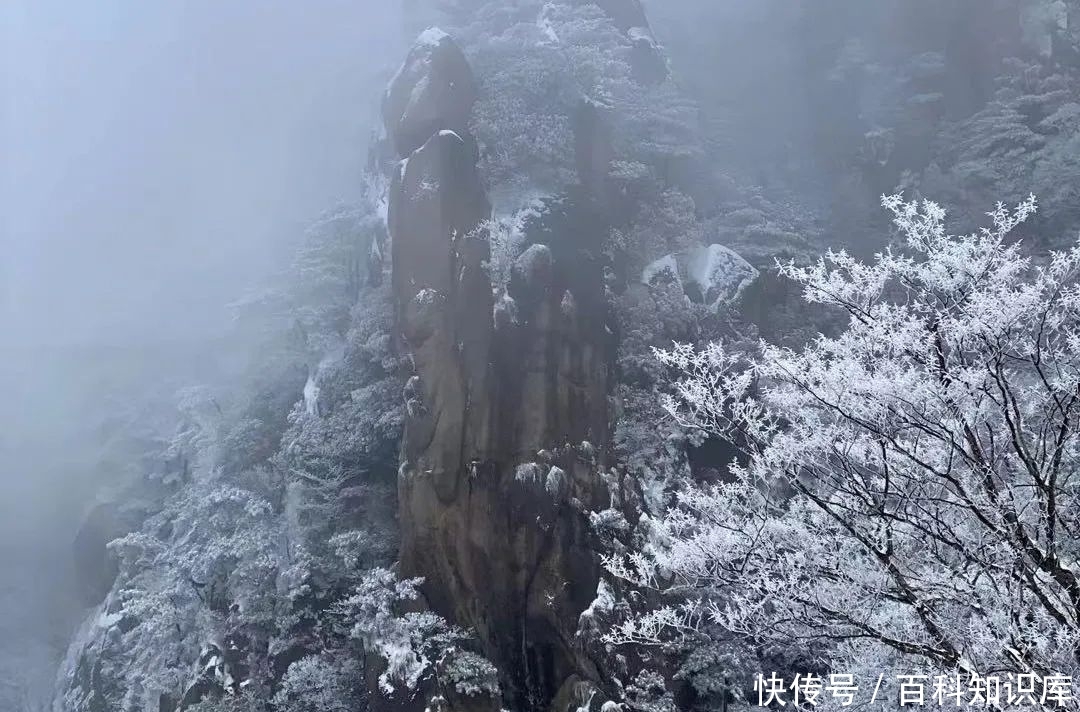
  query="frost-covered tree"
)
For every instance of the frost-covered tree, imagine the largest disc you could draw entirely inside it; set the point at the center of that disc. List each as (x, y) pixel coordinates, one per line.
(907, 495)
(407, 642)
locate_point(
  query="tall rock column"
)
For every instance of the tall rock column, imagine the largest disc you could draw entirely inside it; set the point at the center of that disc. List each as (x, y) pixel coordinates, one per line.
(506, 426)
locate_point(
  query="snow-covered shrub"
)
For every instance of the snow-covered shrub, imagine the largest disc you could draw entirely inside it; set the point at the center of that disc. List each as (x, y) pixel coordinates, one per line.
(318, 683)
(408, 642)
(468, 674)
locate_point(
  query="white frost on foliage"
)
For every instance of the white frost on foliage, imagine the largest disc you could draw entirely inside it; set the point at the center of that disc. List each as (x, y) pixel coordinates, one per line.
(426, 297)
(906, 497)
(609, 521)
(517, 204)
(528, 472)
(506, 237)
(471, 675)
(403, 641)
(317, 683)
(108, 620)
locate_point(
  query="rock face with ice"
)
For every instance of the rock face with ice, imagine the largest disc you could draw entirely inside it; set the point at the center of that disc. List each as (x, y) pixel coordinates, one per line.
(711, 274)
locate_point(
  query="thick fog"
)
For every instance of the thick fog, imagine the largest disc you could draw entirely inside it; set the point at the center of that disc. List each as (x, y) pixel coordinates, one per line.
(159, 160)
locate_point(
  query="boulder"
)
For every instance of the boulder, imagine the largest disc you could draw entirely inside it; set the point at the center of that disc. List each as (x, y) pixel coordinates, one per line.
(433, 90)
(712, 274)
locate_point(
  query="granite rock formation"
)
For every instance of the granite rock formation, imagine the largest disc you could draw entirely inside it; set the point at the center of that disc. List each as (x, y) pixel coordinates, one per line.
(505, 426)
(434, 90)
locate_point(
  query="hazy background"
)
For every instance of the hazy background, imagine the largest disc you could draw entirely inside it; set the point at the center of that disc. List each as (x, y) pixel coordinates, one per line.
(159, 159)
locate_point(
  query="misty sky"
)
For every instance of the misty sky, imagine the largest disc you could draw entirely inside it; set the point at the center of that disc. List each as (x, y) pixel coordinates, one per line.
(158, 155)
(159, 158)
